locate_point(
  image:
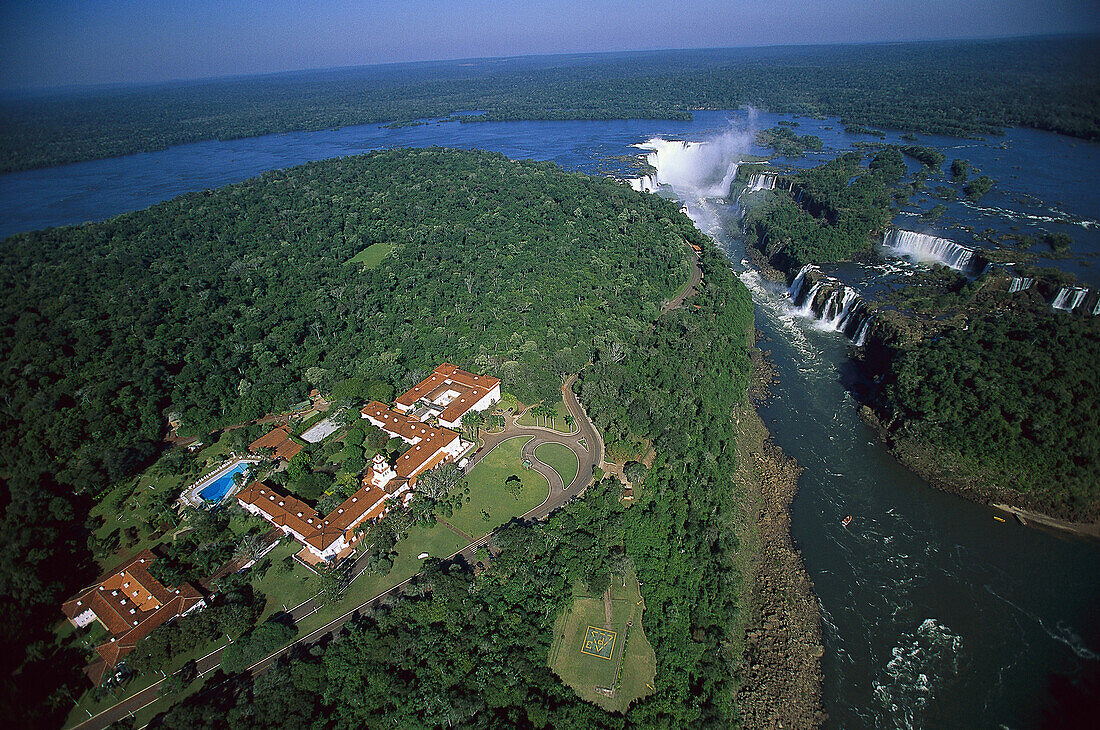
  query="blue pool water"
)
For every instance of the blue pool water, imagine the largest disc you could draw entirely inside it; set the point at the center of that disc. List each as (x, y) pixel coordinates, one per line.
(934, 614)
(215, 491)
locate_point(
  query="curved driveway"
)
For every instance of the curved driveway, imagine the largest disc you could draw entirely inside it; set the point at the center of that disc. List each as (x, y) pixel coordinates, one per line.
(589, 453)
(559, 494)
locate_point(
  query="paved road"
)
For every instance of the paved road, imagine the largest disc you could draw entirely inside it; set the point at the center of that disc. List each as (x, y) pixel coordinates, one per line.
(687, 291)
(559, 494)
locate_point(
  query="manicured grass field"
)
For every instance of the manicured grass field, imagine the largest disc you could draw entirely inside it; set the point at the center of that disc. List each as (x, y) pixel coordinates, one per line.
(557, 422)
(561, 458)
(285, 588)
(488, 495)
(372, 255)
(631, 652)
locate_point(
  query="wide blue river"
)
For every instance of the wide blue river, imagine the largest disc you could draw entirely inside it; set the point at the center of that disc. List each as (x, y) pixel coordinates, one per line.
(935, 615)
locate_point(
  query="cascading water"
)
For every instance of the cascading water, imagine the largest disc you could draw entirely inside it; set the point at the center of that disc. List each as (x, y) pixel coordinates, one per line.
(1020, 283)
(1069, 298)
(695, 170)
(923, 247)
(932, 614)
(834, 305)
(761, 181)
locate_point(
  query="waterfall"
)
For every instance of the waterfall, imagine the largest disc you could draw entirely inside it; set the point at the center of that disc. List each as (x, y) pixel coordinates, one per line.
(923, 247)
(1069, 298)
(834, 305)
(646, 184)
(1020, 283)
(761, 181)
(795, 289)
(695, 169)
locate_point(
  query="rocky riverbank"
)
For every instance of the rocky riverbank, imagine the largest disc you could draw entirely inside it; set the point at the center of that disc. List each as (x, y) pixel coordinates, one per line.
(780, 679)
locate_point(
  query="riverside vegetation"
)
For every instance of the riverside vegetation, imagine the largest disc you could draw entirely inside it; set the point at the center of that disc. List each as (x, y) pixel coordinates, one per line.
(228, 304)
(981, 392)
(951, 87)
(225, 304)
(465, 649)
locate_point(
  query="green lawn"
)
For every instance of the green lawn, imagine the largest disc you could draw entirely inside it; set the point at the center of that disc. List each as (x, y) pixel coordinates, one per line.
(560, 457)
(372, 255)
(631, 653)
(132, 512)
(487, 493)
(285, 588)
(437, 541)
(557, 422)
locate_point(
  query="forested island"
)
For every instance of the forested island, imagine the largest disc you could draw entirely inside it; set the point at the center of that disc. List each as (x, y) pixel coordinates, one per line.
(356, 276)
(948, 87)
(981, 390)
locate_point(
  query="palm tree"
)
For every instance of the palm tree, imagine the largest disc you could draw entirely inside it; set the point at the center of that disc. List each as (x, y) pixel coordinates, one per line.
(472, 421)
(249, 548)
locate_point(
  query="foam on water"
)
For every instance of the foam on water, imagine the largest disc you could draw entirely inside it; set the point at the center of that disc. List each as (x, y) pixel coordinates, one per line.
(921, 661)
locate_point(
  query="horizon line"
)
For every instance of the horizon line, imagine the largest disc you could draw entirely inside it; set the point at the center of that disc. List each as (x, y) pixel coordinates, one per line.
(198, 80)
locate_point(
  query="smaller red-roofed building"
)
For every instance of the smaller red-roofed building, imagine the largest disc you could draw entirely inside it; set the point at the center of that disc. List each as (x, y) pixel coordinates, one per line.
(280, 443)
(448, 394)
(129, 603)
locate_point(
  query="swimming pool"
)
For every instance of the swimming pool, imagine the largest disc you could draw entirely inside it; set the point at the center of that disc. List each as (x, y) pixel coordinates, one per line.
(215, 491)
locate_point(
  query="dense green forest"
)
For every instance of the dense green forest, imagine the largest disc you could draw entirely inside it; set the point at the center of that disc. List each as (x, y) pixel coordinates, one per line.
(957, 87)
(228, 304)
(470, 650)
(830, 212)
(1004, 403)
(999, 404)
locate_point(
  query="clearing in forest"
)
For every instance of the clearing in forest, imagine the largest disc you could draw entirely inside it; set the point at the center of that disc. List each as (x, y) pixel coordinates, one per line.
(604, 655)
(372, 255)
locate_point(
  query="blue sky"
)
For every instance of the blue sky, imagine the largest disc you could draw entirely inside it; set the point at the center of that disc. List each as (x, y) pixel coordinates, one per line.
(65, 42)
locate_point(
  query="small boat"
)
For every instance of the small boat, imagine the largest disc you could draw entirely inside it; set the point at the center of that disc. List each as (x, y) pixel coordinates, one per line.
(847, 520)
(999, 519)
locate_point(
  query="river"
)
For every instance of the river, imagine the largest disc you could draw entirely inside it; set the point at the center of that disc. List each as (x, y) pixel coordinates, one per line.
(935, 615)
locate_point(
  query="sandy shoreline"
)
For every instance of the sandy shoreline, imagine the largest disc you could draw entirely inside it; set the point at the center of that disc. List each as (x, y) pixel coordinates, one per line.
(779, 637)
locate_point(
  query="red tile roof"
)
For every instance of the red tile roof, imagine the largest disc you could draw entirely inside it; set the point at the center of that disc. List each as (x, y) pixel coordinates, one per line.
(282, 509)
(279, 440)
(427, 440)
(130, 603)
(471, 388)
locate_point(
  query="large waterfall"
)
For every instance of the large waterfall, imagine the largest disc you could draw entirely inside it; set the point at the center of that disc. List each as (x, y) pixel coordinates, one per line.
(645, 184)
(694, 169)
(833, 304)
(923, 247)
(1070, 297)
(761, 181)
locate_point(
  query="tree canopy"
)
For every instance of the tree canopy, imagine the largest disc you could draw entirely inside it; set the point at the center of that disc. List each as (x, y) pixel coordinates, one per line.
(228, 304)
(947, 87)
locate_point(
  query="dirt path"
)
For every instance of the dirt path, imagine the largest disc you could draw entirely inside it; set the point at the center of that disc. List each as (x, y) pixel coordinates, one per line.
(455, 530)
(607, 608)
